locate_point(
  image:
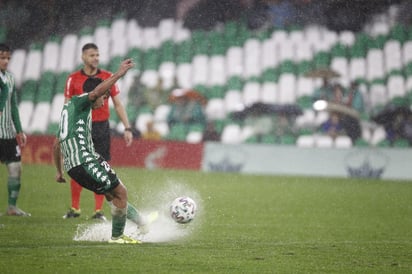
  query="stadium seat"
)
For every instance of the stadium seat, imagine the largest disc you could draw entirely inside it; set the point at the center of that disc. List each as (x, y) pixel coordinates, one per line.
(303, 52)
(252, 61)
(32, 69)
(102, 40)
(162, 128)
(269, 93)
(217, 70)
(200, 65)
(194, 137)
(393, 56)
(86, 36)
(347, 38)
(26, 109)
(395, 86)
(141, 121)
(304, 86)
(251, 93)
(184, 75)
(166, 29)
(287, 88)
(68, 53)
(51, 54)
(378, 135)
(231, 134)
(234, 62)
(343, 142)
(374, 65)
(56, 108)
(40, 118)
(233, 101)
(118, 28)
(377, 95)
(16, 65)
(324, 141)
(279, 36)
(407, 52)
(357, 69)
(134, 35)
(150, 78)
(305, 141)
(181, 33)
(269, 57)
(286, 51)
(215, 109)
(161, 112)
(306, 120)
(151, 38)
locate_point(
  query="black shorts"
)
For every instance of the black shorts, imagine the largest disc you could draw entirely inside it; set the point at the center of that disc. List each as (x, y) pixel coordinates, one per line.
(96, 176)
(101, 138)
(9, 151)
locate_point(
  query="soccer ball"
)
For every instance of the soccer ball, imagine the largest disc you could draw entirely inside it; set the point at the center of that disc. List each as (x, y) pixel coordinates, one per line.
(183, 210)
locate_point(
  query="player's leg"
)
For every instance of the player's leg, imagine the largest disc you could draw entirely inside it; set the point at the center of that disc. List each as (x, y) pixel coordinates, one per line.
(98, 209)
(13, 187)
(10, 155)
(101, 141)
(75, 192)
(143, 222)
(100, 178)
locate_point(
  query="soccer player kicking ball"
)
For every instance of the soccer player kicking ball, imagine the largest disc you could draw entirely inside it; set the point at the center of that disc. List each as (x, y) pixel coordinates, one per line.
(85, 166)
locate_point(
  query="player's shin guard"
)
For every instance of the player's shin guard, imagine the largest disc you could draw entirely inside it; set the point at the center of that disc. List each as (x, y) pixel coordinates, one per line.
(13, 187)
(134, 215)
(118, 220)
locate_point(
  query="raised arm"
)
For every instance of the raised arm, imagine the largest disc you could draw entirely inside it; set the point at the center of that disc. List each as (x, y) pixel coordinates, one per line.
(102, 88)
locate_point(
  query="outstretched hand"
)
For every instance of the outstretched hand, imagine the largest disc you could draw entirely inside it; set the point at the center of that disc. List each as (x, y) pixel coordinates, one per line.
(125, 65)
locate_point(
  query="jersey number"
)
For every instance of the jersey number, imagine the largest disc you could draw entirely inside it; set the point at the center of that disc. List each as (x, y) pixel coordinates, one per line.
(64, 121)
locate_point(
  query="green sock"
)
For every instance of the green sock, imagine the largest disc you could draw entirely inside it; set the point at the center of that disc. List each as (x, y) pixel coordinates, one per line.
(134, 215)
(118, 221)
(13, 187)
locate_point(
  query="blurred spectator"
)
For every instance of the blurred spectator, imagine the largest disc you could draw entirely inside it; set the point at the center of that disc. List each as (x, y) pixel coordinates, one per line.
(337, 94)
(185, 110)
(151, 133)
(407, 128)
(354, 98)
(282, 13)
(156, 95)
(257, 14)
(324, 91)
(333, 126)
(210, 133)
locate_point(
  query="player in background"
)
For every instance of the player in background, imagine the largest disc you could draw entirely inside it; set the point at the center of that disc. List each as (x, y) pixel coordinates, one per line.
(100, 118)
(12, 137)
(87, 167)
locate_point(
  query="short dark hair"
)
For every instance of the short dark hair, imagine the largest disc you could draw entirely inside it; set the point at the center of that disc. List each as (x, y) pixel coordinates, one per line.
(4, 47)
(89, 46)
(91, 83)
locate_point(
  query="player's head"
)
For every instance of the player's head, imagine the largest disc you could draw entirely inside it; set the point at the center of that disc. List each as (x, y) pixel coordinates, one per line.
(90, 55)
(89, 85)
(5, 55)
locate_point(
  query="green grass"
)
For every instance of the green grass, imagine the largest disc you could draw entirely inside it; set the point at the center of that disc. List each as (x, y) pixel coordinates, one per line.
(246, 224)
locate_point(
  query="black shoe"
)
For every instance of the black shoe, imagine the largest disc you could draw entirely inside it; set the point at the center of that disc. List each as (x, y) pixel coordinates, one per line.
(99, 216)
(72, 213)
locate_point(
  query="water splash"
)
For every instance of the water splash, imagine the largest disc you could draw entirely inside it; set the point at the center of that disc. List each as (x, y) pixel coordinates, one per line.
(164, 229)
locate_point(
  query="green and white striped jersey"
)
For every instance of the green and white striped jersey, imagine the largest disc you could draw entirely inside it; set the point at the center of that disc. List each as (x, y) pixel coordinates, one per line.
(75, 132)
(9, 119)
